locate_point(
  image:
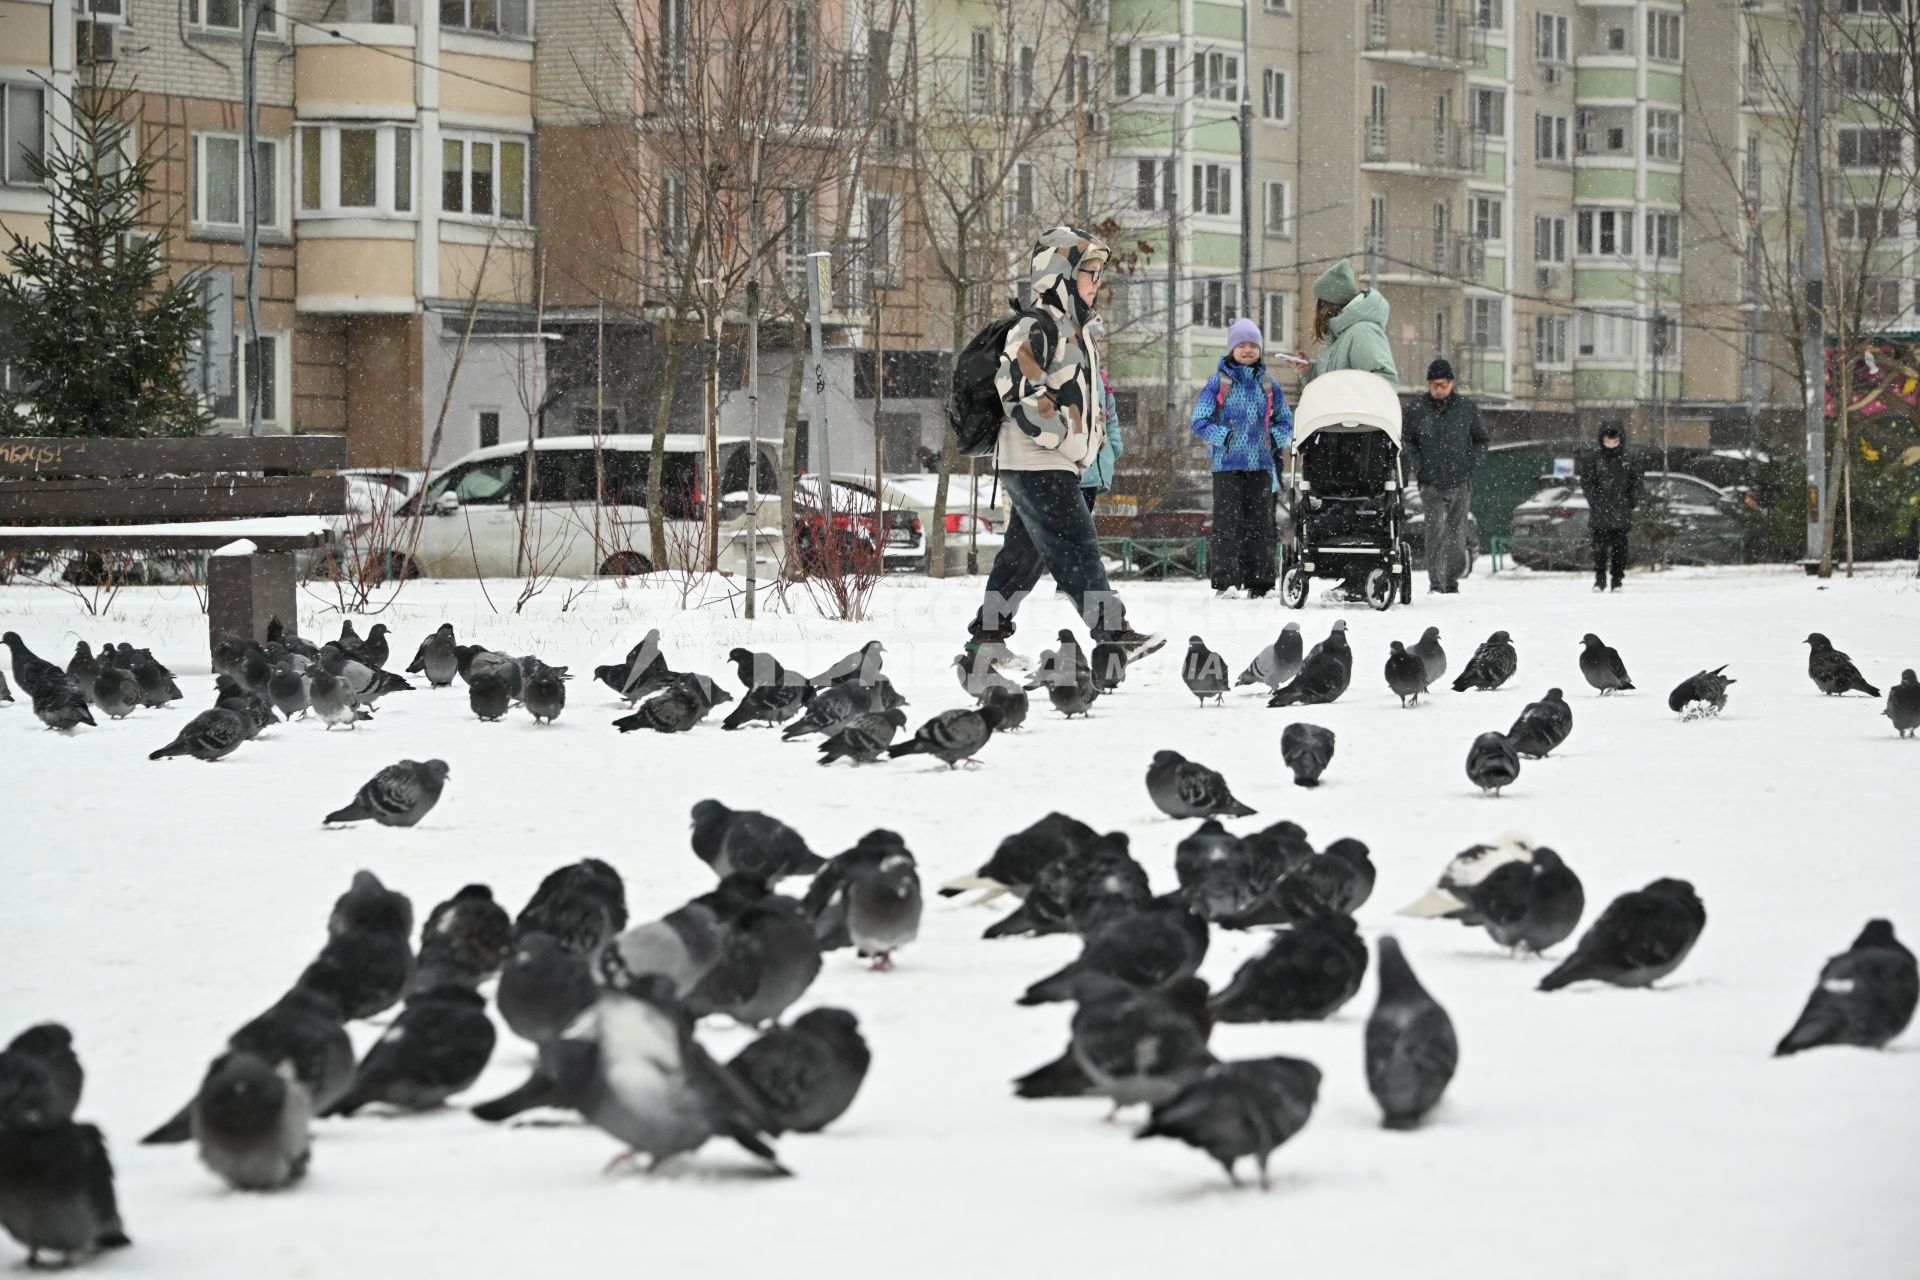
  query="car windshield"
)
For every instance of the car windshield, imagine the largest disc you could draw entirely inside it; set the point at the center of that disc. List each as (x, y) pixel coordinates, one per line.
(476, 483)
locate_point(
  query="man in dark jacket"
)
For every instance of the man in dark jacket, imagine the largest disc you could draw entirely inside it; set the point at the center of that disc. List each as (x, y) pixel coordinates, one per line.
(1612, 485)
(1444, 440)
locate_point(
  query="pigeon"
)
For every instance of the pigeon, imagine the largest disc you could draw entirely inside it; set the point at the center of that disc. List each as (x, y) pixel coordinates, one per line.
(1527, 899)
(1428, 650)
(254, 711)
(1108, 665)
(769, 704)
(1147, 946)
(746, 842)
(491, 662)
(1307, 749)
(580, 905)
(1216, 873)
(1335, 633)
(1406, 674)
(1832, 671)
(288, 692)
(116, 693)
(866, 737)
(762, 671)
(81, 667)
(832, 710)
(685, 944)
(211, 735)
(1411, 1048)
(370, 906)
(1011, 703)
(1074, 695)
(250, 1122)
(1903, 704)
(436, 658)
(398, 796)
(643, 671)
(304, 1030)
(862, 666)
(157, 685)
(464, 941)
(1019, 858)
(677, 708)
(56, 1190)
(1866, 995)
(30, 671)
(1276, 664)
(1128, 1045)
(1491, 665)
(6, 694)
(1701, 694)
(1240, 1109)
(40, 1077)
(1601, 665)
(543, 987)
(1541, 726)
(1472, 865)
(60, 705)
(1066, 665)
(366, 963)
(951, 736)
(367, 682)
(1079, 891)
(488, 696)
(1492, 762)
(334, 701)
(437, 1047)
(1204, 672)
(1306, 973)
(805, 1075)
(374, 649)
(1334, 882)
(544, 694)
(1639, 939)
(1181, 788)
(277, 633)
(1323, 677)
(867, 898)
(768, 957)
(978, 677)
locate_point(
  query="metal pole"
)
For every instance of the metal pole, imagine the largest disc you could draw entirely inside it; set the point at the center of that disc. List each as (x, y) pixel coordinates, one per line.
(1246, 163)
(250, 182)
(819, 267)
(1170, 196)
(1813, 272)
(753, 376)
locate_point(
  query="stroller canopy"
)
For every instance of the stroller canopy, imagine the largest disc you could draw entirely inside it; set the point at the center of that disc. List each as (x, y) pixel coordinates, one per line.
(1347, 400)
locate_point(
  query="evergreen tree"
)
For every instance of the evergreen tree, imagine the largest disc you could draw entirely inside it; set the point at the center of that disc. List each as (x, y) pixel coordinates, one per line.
(102, 337)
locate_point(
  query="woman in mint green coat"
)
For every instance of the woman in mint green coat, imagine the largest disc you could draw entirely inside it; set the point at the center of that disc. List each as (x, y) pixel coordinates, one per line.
(1350, 324)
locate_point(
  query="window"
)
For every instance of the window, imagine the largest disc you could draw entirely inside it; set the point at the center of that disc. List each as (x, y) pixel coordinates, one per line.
(1490, 15)
(388, 12)
(1604, 231)
(1881, 296)
(1663, 336)
(1276, 320)
(219, 198)
(1279, 208)
(1024, 70)
(1663, 235)
(1484, 324)
(1217, 76)
(1153, 185)
(490, 17)
(356, 169)
(1489, 107)
(1663, 35)
(219, 15)
(1138, 301)
(1487, 216)
(1442, 331)
(1869, 148)
(1871, 73)
(797, 242)
(1376, 224)
(1550, 342)
(1273, 96)
(880, 222)
(1123, 71)
(1865, 223)
(22, 112)
(1216, 302)
(1753, 172)
(1663, 135)
(1599, 137)
(1213, 189)
(1550, 138)
(980, 70)
(1020, 197)
(489, 424)
(1606, 335)
(484, 177)
(1549, 37)
(1613, 38)
(1077, 84)
(1870, 8)
(269, 372)
(1549, 239)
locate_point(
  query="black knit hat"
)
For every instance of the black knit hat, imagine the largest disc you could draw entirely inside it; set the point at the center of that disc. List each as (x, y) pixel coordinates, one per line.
(1440, 369)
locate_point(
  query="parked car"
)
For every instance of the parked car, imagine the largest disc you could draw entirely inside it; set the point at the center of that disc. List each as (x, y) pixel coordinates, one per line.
(915, 492)
(470, 516)
(903, 548)
(1551, 531)
(1414, 528)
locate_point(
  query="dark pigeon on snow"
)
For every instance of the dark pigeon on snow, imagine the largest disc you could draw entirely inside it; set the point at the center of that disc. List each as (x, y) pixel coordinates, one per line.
(30, 671)
(1832, 671)
(1491, 665)
(1011, 702)
(398, 796)
(1307, 749)
(580, 905)
(952, 736)
(746, 842)
(464, 941)
(1406, 674)
(1639, 939)
(677, 708)
(1600, 664)
(1306, 973)
(211, 735)
(866, 737)
(40, 1077)
(1151, 945)
(250, 1121)
(862, 666)
(1541, 726)
(1181, 788)
(772, 703)
(56, 1191)
(1240, 1110)
(1411, 1047)
(1128, 1045)
(437, 1047)
(116, 693)
(60, 705)
(1903, 704)
(1204, 672)
(1703, 693)
(1492, 762)
(1322, 678)
(544, 693)
(543, 987)
(806, 1074)
(1217, 873)
(1428, 650)
(437, 658)
(1865, 997)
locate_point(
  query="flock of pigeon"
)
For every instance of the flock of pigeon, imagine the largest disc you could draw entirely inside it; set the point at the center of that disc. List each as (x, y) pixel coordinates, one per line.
(613, 1008)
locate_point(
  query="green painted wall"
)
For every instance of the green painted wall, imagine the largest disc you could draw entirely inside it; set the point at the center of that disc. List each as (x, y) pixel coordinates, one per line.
(1493, 62)
(1603, 285)
(1606, 82)
(1602, 184)
(1663, 188)
(1216, 22)
(1141, 365)
(1665, 86)
(1493, 165)
(1493, 273)
(1603, 384)
(1143, 129)
(1143, 17)
(1217, 137)
(1215, 249)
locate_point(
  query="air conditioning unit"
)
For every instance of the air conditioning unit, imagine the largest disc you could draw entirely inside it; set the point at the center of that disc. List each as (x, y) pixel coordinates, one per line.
(1545, 278)
(94, 41)
(1552, 72)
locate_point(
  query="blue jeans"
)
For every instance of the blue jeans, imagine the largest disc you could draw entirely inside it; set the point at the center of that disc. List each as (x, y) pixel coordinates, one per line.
(1052, 529)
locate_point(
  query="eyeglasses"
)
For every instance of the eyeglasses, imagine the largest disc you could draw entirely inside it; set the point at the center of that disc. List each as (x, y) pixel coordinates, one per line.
(1094, 271)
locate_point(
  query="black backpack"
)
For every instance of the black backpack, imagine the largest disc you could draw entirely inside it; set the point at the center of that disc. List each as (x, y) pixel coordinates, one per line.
(974, 411)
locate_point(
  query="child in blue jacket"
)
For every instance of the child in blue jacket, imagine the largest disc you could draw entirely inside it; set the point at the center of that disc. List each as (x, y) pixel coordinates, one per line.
(1243, 417)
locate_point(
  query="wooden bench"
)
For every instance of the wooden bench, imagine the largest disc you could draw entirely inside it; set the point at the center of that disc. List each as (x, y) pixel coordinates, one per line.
(199, 494)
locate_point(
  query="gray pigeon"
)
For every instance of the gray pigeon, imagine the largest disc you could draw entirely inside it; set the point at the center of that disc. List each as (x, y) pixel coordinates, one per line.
(304, 1030)
(1639, 939)
(1181, 788)
(1216, 873)
(1307, 749)
(56, 1191)
(1276, 664)
(1240, 1109)
(1832, 671)
(211, 735)
(1541, 726)
(250, 1122)
(977, 676)
(1428, 650)
(677, 708)
(1411, 1049)
(1306, 973)
(768, 957)
(1704, 693)
(1128, 1045)
(1109, 665)
(1075, 693)
(1903, 704)
(544, 694)
(40, 1077)
(746, 842)
(1204, 672)
(437, 658)
(1011, 703)
(646, 668)
(288, 690)
(862, 666)
(1150, 945)
(1492, 762)
(6, 694)
(369, 905)
(1406, 674)
(115, 692)
(398, 796)
(1491, 665)
(581, 905)
(867, 898)
(464, 941)
(1866, 995)
(333, 700)
(30, 671)
(488, 695)
(769, 704)
(1066, 665)
(1336, 634)
(437, 1047)
(1527, 898)
(504, 666)
(61, 705)
(866, 737)
(805, 1075)
(682, 946)
(543, 987)
(762, 670)
(1600, 664)
(952, 736)
(1334, 882)
(1323, 677)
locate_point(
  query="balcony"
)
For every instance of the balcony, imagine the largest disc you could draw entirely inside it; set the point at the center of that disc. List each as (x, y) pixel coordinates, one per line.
(1422, 35)
(1428, 256)
(1424, 145)
(814, 90)
(1604, 134)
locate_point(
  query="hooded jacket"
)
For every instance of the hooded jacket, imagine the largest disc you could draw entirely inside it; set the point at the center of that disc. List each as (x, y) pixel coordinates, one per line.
(1357, 337)
(1099, 476)
(1612, 485)
(1241, 437)
(1051, 389)
(1444, 440)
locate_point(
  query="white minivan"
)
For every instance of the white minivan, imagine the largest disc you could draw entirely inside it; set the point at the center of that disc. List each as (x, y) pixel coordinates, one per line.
(480, 519)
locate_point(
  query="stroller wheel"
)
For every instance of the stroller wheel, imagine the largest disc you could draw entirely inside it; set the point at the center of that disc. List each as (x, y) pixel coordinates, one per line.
(1293, 588)
(1381, 587)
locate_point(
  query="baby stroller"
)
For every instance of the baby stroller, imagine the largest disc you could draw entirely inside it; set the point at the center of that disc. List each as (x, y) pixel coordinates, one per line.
(1343, 487)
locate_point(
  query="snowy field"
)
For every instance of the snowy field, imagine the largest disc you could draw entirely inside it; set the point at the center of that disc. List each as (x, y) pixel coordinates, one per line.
(1598, 1132)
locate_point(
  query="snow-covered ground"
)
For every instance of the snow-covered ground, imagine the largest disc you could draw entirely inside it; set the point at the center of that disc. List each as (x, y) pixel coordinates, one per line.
(1597, 1132)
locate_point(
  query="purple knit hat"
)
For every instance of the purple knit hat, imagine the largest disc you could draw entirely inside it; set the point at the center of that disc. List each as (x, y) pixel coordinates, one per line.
(1244, 330)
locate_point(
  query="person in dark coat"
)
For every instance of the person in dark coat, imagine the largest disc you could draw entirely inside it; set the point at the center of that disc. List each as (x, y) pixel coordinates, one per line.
(1242, 416)
(1613, 487)
(1444, 440)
